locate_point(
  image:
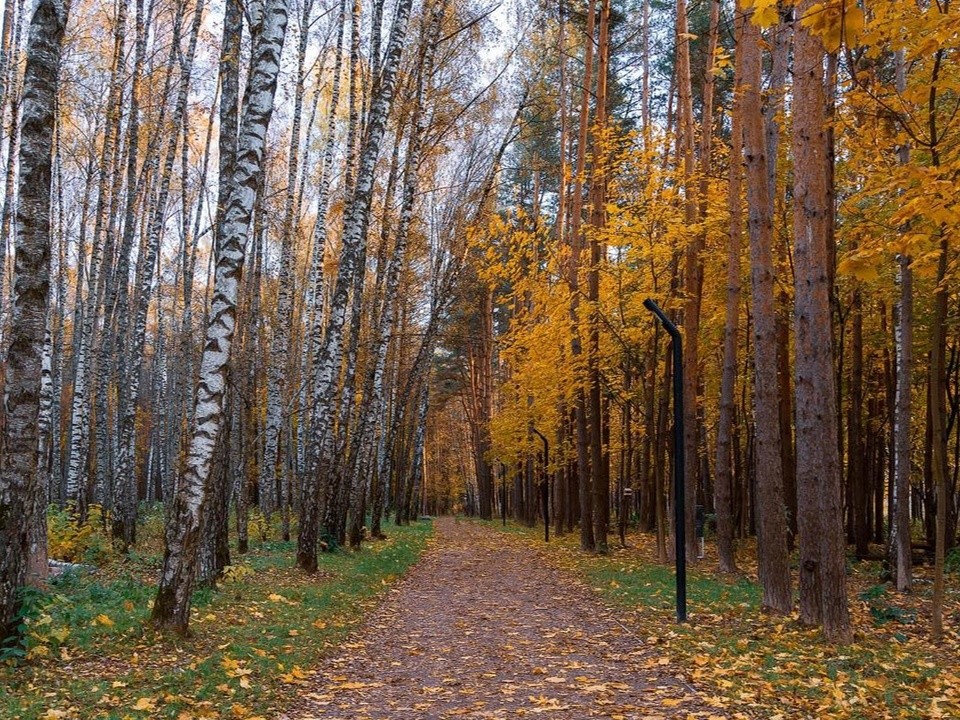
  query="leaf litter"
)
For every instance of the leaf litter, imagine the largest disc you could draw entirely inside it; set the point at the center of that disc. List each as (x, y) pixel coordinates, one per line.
(485, 628)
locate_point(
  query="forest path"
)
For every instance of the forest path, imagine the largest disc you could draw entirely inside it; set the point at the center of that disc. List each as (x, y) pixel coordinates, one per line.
(483, 627)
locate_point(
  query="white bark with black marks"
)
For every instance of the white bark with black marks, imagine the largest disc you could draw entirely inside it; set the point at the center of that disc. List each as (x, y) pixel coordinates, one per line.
(279, 361)
(356, 216)
(172, 606)
(19, 477)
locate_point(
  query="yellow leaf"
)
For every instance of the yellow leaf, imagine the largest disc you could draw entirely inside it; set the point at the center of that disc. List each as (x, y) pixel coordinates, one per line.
(38, 651)
(853, 21)
(104, 620)
(858, 267)
(765, 12)
(145, 704)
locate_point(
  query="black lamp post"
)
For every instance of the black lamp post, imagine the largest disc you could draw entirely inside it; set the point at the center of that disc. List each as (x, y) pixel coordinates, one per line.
(546, 485)
(503, 492)
(679, 521)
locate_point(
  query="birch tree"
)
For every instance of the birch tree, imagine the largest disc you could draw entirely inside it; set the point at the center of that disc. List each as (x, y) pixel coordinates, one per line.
(20, 477)
(356, 215)
(279, 361)
(172, 606)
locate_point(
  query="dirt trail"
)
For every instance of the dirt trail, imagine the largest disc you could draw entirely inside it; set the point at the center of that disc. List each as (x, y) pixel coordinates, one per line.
(484, 628)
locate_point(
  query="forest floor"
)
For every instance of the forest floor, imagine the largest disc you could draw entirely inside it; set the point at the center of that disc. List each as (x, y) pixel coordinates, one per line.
(489, 622)
(748, 663)
(255, 641)
(484, 628)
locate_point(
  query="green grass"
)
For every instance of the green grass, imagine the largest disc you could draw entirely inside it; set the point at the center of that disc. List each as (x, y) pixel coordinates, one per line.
(254, 640)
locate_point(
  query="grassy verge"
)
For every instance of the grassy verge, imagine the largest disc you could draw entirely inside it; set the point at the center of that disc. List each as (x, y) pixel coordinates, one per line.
(255, 639)
(755, 665)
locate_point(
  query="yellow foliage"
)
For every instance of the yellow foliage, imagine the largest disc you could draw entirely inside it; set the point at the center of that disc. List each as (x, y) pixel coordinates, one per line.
(72, 541)
(259, 524)
(765, 12)
(236, 573)
(834, 22)
(644, 234)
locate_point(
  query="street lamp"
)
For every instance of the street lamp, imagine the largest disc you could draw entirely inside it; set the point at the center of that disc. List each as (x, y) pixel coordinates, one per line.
(546, 485)
(679, 522)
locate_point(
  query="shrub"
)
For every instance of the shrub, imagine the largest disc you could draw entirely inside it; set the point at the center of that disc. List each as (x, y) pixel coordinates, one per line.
(70, 540)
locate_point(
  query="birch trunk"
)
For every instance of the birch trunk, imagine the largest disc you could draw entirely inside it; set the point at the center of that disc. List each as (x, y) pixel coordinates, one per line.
(899, 540)
(271, 469)
(416, 469)
(81, 405)
(383, 332)
(172, 606)
(125, 500)
(354, 227)
(13, 18)
(55, 493)
(19, 480)
(147, 265)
